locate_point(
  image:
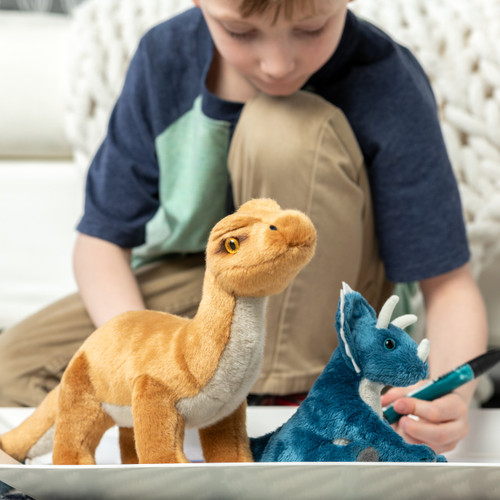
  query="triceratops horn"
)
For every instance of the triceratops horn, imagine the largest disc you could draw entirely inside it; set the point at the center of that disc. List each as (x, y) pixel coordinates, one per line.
(384, 316)
(404, 321)
(423, 349)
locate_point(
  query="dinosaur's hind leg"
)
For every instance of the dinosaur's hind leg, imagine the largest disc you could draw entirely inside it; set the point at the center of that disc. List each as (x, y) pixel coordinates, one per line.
(81, 421)
(227, 440)
(33, 437)
(355, 451)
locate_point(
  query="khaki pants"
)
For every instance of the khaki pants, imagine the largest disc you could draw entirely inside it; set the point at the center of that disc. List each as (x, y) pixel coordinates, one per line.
(298, 150)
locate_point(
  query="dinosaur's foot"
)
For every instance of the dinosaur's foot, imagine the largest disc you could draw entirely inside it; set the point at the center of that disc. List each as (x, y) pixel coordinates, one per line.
(369, 454)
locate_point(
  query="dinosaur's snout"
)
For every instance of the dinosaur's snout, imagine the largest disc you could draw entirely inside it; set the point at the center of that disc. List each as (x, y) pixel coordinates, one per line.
(296, 229)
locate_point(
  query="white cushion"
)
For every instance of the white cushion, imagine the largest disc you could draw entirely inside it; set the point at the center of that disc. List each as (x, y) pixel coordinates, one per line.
(32, 66)
(40, 205)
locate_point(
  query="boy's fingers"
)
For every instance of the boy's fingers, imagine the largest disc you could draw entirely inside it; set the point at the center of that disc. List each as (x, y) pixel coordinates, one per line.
(440, 424)
(392, 394)
(440, 437)
(448, 408)
(398, 392)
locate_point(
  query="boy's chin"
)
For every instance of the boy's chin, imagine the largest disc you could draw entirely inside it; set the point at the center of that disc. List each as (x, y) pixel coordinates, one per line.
(275, 89)
(279, 91)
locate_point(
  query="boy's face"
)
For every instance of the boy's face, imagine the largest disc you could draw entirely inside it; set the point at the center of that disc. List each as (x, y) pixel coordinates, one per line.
(274, 56)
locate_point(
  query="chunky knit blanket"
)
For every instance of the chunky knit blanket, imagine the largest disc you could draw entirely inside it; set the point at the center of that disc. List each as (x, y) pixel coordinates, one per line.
(458, 44)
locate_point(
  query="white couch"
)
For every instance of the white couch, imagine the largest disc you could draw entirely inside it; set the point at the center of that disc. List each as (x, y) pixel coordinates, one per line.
(60, 76)
(40, 185)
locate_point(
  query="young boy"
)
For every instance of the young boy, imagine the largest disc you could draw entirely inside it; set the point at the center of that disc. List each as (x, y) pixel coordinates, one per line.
(290, 99)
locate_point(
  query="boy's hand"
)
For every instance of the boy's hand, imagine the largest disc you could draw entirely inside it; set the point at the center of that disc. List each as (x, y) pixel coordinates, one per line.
(440, 424)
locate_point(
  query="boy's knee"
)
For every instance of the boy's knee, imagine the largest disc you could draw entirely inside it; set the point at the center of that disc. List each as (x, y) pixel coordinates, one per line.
(281, 133)
(282, 125)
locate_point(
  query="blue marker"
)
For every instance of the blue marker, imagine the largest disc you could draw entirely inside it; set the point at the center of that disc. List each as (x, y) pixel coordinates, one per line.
(450, 381)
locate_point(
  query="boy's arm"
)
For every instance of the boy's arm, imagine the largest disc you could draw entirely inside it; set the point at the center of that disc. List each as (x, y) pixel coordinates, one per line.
(456, 322)
(457, 330)
(106, 282)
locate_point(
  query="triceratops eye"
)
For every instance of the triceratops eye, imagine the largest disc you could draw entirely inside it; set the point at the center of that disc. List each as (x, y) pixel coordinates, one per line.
(389, 344)
(232, 245)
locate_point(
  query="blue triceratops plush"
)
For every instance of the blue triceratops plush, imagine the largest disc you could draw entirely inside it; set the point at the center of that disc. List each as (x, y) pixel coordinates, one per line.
(341, 419)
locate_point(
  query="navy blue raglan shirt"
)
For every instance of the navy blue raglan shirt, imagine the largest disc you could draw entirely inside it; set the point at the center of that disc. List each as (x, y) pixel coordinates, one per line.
(159, 181)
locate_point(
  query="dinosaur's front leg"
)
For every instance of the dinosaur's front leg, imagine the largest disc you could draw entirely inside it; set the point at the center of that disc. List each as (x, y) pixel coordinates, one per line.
(128, 452)
(393, 448)
(158, 426)
(227, 440)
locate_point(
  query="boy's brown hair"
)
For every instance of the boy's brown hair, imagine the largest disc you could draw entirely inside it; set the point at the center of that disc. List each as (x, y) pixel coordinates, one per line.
(250, 7)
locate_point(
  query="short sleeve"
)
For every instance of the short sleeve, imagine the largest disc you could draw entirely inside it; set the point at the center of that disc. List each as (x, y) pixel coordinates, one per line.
(121, 192)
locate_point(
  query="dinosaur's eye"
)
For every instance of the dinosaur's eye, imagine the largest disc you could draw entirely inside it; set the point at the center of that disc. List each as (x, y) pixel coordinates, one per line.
(389, 344)
(232, 245)
(273, 228)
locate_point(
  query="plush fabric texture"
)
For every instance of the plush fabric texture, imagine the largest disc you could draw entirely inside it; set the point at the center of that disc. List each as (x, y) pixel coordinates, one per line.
(341, 419)
(158, 373)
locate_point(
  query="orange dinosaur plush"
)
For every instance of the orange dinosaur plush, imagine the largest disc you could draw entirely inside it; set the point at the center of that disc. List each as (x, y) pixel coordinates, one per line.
(153, 373)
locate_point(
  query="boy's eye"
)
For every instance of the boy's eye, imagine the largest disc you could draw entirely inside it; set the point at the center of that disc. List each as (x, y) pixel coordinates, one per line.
(310, 33)
(242, 35)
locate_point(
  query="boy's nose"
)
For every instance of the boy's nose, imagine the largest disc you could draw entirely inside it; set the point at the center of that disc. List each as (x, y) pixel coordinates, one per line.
(277, 62)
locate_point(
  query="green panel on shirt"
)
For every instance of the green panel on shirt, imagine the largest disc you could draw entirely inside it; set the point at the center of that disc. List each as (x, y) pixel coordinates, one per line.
(192, 157)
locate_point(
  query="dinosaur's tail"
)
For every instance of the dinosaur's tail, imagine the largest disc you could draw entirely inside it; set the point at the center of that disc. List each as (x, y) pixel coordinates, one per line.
(258, 445)
(33, 437)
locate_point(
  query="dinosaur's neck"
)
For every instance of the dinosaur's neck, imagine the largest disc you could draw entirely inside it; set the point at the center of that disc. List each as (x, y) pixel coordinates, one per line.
(370, 393)
(338, 376)
(216, 307)
(212, 322)
(226, 347)
(239, 364)
(221, 317)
